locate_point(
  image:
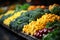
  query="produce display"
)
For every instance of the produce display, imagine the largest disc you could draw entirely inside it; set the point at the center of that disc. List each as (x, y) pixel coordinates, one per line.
(26, 18)
(12, 18)
(32, 7)
(3, 10)
(6, 15)
(54, 9)
(41, 22)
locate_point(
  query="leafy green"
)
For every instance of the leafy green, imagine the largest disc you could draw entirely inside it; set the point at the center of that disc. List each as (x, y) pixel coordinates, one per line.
(19, 23)
(17, 7)
(55, 23)
(24, 6)
(55, 10)
(47, 11)
(39, 10)
(35, 14)
(55, 35)
(4, 17)
(26, 18)
(21, 7)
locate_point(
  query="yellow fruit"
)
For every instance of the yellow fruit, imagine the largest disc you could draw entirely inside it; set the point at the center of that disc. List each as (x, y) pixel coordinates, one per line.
(9, 12)
(32, 27)
(1, 16)
(12, 18)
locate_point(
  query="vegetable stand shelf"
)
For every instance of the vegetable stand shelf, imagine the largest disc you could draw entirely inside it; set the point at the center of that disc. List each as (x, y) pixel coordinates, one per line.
(26, 37)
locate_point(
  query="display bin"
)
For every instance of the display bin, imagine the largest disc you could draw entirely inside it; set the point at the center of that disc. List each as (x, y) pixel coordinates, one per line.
(19, 34)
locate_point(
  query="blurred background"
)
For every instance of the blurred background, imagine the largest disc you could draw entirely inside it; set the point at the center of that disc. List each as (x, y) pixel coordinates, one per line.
(32, 2)
(9, 7)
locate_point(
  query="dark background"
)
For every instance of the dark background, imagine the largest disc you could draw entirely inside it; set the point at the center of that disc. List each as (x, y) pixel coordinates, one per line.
(7, 35)
(33, 2)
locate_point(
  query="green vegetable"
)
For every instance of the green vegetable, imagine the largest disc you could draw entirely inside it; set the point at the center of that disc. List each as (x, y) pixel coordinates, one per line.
(55, 10)
(55, 23)
(19, 23)
(46, 11)
(4, 17)
(21, 7)
(24, 6)
(35, 14)
(25, 14)
(55, 35)
(17, 7)
(26, 18)
(39, 10)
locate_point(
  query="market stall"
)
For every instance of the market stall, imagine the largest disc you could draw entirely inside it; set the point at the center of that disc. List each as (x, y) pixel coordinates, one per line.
(32, 20)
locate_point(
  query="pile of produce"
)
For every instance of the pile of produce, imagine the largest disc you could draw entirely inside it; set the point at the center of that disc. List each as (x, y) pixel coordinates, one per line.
(6, 15)
(26, 18)
(47, 26)
(38, 21)
(33, 7)
(18, 7)
(12, 18)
